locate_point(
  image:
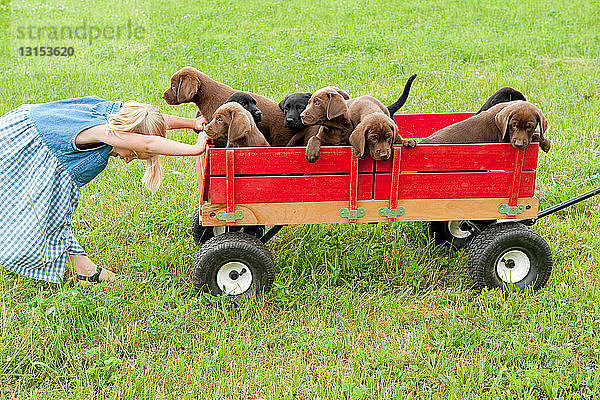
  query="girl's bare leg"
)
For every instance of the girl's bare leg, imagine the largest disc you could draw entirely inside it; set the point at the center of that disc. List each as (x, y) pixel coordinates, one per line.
(84, 266)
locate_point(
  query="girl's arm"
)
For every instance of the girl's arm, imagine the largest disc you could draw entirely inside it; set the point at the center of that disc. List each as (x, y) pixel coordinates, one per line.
(174, 122)
(150, 145)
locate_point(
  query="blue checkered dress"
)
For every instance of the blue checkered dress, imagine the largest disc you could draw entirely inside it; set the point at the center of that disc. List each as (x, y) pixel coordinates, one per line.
(38, 196)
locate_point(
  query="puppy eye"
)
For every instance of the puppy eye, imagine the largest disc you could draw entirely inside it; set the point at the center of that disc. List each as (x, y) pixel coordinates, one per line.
(317, 102)
(219, 119)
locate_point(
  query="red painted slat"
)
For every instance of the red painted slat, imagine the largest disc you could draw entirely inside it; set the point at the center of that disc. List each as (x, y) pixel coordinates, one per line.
(229, 179)
(454, 185)
(461, 157)
(353, 181)
(423, 125)
(275, 189)
(515, 187)
(286, 160)
(397, 160)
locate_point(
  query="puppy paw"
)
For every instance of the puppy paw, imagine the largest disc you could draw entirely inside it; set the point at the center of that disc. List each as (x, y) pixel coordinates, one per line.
(311, 157)
(409, 142)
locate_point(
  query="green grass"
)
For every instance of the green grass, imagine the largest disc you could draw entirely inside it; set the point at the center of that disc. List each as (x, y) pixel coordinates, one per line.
(365, 311)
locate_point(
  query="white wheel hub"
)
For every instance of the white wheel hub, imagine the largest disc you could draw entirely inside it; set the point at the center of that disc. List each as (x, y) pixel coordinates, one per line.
(234, 278)
(513, 266)
(455, 229)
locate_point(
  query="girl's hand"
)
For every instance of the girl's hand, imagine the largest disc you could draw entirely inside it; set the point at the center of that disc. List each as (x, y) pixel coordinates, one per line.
(200, 123)
(201, 142)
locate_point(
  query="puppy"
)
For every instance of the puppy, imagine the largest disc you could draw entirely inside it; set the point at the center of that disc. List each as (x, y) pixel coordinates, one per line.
(292, 106)
(190, 85)
(246, 101)
(234, 122)
(514, 122)
(327, 107)
(504, 95)
(340, 119)
(375, 134)
(295, 103)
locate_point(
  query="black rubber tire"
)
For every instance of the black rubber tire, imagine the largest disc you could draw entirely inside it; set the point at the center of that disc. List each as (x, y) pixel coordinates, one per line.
(229, 247)
(488, 247)
(202, 234)
(440, 232)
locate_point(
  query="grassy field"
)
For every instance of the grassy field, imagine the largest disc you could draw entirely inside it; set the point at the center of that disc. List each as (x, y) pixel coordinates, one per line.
(358, 312)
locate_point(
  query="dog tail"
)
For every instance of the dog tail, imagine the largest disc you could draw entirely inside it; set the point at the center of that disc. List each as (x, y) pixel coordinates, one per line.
(392, 108)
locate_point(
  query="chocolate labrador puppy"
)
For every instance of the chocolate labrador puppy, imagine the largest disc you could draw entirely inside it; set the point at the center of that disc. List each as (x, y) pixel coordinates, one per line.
(375, 135)
(246, 101)
(327, 107)
(504, 95)
(350, 121)
(514, 122)
(234, 122)
(188, 85)
(295, 103)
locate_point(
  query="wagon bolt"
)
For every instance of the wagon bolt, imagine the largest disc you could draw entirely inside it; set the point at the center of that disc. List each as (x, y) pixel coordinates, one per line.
(510, 264)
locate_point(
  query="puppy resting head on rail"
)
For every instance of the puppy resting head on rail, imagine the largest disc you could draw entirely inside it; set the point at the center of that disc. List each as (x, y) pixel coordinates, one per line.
(518, 122)
(234, 122)
(376, 133)
(514, 122)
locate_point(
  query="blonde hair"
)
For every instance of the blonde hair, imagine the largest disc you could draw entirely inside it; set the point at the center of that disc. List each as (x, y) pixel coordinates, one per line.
(143, 119)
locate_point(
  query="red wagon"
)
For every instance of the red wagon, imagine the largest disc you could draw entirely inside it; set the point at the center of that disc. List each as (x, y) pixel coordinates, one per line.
(464, 193)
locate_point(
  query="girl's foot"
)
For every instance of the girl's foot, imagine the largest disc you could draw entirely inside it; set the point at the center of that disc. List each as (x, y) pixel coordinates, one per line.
(87, 272)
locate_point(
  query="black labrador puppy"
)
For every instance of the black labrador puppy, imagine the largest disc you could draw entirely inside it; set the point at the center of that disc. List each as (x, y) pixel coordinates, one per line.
(504, 95)
(293, 105)
(246, 101)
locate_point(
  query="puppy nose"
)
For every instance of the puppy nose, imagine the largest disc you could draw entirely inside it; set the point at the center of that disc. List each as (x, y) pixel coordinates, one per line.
(289, 119)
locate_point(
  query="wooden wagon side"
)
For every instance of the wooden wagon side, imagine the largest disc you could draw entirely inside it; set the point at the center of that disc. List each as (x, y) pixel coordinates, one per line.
(277, 186)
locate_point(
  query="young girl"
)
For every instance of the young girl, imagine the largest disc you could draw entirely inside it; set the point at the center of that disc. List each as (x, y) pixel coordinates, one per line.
(48, 151)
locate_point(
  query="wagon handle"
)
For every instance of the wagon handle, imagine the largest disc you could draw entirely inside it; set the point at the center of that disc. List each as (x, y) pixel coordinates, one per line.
(560, 206)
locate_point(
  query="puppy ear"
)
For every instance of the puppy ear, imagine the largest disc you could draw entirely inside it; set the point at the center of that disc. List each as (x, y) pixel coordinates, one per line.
(542, 121)
(545, 143)
(187, 88)
(502, 119)
(358, 140)
(336, 105)
(239, 126)
(282, 102)
(342, 93)
(397, 138)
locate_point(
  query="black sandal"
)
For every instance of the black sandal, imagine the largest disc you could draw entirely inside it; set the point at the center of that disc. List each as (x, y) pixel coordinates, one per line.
(93, 279)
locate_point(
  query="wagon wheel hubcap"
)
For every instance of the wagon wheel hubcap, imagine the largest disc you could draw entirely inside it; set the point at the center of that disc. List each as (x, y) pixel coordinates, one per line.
(234, 278)
(455, 229)
(513, 266)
